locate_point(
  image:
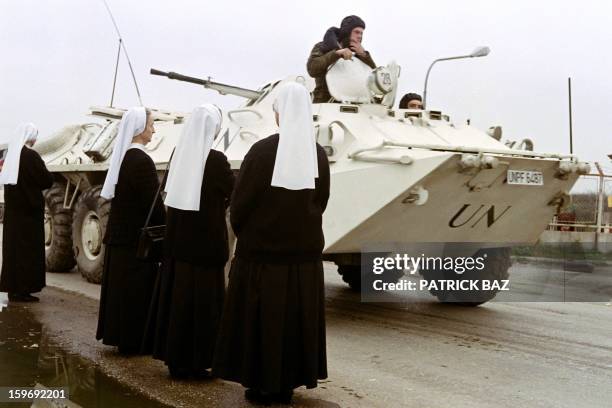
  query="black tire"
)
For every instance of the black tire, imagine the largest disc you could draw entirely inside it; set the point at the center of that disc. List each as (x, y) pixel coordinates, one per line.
(351, 274)
(351, 271)
(88, 227)
(58, 238)
(497, 264)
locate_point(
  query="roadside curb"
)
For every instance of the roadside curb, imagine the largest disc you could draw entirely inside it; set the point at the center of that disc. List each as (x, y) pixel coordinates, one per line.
(74, 283)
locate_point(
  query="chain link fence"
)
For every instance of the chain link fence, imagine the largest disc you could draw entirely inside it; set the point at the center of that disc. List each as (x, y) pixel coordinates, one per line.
(584, 210)
(607, 204)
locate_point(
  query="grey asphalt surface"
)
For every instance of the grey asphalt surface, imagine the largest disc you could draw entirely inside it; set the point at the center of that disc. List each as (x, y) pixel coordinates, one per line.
(405, 354)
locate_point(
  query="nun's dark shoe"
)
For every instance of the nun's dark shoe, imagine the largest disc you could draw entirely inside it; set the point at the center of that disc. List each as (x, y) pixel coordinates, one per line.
(128, 351)
(29, 298)
(203, 375)
(21, 297)
(179, 373)
(14, 297)
(257, 397)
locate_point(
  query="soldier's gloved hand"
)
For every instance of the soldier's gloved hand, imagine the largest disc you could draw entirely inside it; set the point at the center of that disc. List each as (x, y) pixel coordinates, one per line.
(345, 53)
(357, 48)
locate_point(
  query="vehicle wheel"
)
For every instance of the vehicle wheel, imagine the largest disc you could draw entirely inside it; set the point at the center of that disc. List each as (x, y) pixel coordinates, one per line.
(351, 274)
(58, 240)
(497, 264)
(90, 218)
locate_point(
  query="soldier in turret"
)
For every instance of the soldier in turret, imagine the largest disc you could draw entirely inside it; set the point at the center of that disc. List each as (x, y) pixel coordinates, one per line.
(411, 101)
(337, 43)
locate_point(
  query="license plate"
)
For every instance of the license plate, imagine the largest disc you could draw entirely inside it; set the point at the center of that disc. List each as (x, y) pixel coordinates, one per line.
(525, 177)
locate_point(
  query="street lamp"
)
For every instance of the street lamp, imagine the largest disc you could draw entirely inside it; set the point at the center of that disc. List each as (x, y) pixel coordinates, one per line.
(478, 52)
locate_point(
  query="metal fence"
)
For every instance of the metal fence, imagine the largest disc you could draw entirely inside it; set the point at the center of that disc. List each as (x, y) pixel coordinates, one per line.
(590, 207)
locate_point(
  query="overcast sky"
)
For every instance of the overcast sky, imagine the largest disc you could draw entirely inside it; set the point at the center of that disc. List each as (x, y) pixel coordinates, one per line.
(58, 58)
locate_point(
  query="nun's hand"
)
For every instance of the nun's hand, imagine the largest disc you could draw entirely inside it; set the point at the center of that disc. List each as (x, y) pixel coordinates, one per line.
(345, 53)
(357, 48)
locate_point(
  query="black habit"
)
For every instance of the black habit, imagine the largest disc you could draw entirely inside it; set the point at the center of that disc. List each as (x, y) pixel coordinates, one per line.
(190, 290)
(272, 334)
(23, 236)
(127, 283)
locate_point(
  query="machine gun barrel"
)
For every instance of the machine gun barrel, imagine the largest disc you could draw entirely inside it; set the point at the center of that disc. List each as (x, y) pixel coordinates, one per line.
(223, 89)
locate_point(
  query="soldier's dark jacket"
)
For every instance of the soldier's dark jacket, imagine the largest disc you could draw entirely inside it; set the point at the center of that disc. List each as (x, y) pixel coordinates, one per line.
(317, 66)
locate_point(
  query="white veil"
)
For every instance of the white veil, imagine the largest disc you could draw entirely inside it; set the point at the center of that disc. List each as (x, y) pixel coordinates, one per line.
(132, 124)
(296, 165)
(186, 173)
(26, 132)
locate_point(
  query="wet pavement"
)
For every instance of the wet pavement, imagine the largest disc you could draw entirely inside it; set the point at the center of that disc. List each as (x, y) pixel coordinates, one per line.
(69, 321)
(29, 357)
(387, 355)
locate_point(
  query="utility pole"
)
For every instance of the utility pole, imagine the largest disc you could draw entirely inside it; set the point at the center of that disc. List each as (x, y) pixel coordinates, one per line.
(600, 201)
(569, 91)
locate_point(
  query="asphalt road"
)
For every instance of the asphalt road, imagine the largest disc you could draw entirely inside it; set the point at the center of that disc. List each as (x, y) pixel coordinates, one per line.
(397, 354)
(496, 355)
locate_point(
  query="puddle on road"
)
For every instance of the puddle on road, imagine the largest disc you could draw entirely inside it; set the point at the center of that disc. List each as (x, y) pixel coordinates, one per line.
(28, 357)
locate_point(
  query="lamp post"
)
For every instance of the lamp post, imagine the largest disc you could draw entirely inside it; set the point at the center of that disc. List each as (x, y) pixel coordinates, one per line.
(478, 52)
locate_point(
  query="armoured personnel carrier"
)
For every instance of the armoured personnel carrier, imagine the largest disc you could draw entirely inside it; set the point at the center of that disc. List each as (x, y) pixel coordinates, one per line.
(397, 175)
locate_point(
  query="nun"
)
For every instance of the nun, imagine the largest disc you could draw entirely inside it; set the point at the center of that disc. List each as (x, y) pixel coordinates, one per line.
(191, 288)
(24, 177)
(272, 334)
(127, 282)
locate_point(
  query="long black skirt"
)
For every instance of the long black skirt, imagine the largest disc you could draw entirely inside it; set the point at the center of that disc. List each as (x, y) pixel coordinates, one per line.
(23, 251)
(185, 315)
(272, 334)
(127, 288)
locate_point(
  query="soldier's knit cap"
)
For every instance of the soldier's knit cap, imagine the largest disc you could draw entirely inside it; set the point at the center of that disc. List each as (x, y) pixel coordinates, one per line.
(338, 37)
(407, 98)
(348, 24)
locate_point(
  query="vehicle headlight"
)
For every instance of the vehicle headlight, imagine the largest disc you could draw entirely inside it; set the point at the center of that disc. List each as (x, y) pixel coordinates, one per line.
(380, 82)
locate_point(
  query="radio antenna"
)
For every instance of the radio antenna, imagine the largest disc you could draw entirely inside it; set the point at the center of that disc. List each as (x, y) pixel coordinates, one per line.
(122, 47)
